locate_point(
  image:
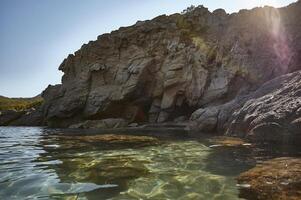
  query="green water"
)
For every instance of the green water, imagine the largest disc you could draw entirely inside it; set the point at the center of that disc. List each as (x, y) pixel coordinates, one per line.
(37, 163)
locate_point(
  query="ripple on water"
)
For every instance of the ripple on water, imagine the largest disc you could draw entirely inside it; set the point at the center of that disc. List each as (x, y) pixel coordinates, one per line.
(47, 165)
(178, 173)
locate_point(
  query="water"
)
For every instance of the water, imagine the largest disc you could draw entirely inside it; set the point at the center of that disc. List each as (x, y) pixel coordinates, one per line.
(38, 163)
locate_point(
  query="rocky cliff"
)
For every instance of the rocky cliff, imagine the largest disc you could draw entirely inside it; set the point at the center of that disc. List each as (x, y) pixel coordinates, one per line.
(161, 69)
(170, 66)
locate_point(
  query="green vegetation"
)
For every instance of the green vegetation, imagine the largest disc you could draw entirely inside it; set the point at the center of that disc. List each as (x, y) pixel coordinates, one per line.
(19, 103)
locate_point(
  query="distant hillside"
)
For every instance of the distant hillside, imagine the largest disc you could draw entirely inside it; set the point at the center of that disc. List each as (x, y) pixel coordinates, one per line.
(19, 103)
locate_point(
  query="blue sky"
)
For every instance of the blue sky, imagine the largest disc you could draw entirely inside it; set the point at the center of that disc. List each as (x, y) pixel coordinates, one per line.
(36, 35)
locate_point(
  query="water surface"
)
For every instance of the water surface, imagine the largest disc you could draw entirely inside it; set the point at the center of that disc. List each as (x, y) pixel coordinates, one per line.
(38, 163)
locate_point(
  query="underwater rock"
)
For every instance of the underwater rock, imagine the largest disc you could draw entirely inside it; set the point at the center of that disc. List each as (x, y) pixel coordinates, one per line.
(276, 179)
(110, 141)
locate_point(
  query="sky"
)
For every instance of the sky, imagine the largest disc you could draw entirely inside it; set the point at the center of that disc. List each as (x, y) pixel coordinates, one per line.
(36, 35)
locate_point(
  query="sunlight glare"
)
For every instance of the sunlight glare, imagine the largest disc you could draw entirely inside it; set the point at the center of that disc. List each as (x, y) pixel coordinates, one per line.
(273, 3)
(261, 3)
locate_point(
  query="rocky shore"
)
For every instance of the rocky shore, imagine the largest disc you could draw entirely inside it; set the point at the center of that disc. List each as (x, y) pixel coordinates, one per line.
(207, 72)
(233, 74)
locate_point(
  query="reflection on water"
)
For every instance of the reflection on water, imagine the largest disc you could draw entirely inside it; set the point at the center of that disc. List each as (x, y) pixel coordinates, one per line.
(49, 164)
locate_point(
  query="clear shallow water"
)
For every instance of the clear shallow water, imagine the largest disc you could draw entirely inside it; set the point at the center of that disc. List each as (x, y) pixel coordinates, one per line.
(49, 164)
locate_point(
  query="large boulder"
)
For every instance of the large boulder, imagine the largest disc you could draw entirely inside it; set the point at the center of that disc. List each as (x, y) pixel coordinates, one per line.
(205, 119)
(169, 66)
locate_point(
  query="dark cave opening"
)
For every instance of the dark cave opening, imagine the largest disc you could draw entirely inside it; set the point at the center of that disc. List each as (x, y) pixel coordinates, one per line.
(183, 110)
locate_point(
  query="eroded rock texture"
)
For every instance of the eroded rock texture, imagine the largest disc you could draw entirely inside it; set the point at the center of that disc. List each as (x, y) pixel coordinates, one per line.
(159, 70)
(276, 179)
(271, 113)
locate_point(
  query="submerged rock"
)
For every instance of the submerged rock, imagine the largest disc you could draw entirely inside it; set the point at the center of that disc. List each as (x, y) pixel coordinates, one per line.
(110, 141)
(277, 179)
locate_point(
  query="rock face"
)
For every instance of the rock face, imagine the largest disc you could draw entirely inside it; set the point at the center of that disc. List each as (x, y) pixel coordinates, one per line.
(277, 179)
(272, 113)
(161, 69)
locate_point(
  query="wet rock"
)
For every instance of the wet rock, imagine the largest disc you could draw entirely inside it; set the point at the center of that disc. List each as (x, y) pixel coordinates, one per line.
(105, 123)
(228, 141)
(277, 179)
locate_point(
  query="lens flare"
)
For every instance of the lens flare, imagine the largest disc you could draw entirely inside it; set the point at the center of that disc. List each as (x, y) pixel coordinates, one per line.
(273, 3)
(279, 37)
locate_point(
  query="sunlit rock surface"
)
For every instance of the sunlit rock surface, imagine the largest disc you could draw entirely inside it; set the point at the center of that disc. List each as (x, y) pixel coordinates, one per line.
(273, 112)
(269, 114)
(277, 179)
(161, 69)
